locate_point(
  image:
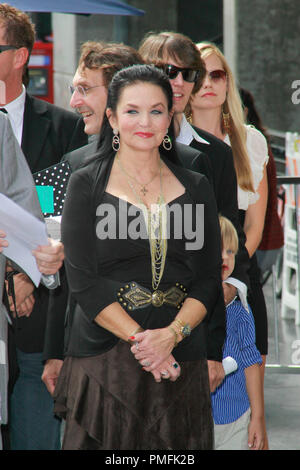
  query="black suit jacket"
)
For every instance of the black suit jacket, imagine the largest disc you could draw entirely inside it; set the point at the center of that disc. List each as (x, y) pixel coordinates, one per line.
(48, 133)
(216, 162)
(220, 171)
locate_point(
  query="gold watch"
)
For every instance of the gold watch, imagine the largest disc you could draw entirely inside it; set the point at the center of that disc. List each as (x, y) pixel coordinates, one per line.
(184, 328)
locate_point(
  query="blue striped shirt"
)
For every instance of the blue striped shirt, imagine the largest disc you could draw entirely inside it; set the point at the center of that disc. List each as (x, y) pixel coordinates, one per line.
(230, 400)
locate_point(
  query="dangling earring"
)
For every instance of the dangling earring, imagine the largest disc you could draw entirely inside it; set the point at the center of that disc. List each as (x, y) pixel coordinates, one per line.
(226, 122)
(116, 140)
(188, 113)
(167, 143)
(189, 118)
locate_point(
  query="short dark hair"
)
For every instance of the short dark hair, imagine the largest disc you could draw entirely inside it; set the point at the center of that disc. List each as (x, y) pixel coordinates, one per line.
(19, 31)
(108, 57)
(156, 46)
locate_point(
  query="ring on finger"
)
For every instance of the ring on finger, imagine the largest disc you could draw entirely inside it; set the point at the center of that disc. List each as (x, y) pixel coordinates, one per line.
(164, 373)
(147, 364)
(175, 365)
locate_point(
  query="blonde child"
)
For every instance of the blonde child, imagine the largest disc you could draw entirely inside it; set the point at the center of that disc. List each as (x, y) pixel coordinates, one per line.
(237, 402)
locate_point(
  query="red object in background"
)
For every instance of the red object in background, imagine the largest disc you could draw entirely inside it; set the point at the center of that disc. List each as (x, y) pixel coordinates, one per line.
(40, 70)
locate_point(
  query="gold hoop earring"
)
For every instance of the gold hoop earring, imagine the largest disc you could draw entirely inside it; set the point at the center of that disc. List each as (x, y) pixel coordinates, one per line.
(116, 140)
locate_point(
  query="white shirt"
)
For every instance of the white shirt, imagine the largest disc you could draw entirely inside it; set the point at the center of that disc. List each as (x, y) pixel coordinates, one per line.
(186, 135)
(15, 112)
(258, 155)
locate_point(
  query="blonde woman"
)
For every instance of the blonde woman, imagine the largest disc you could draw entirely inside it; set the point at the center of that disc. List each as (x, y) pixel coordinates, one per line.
(217, 108)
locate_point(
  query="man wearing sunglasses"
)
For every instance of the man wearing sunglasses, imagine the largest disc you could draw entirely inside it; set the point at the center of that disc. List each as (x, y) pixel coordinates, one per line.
(179, 57)
(45, 132)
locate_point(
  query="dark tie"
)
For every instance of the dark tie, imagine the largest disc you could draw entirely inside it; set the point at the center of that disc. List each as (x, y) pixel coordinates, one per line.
(3, 110)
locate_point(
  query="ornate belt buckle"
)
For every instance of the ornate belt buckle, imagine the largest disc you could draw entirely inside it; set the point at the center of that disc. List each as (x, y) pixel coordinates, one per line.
(157, 298)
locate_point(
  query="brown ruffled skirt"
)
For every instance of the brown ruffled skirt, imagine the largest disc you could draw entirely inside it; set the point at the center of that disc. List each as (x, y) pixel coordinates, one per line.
(109, 402)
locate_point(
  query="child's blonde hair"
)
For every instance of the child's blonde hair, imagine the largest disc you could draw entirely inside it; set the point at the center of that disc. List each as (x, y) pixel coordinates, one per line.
(228, 234)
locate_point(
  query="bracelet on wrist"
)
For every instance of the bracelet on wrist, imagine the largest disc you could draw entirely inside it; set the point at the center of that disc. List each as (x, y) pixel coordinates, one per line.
(184, 329)
(174, 334)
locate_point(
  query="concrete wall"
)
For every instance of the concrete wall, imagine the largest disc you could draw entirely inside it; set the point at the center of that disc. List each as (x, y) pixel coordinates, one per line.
(160, 15)
(267, 56)
(70, 31)
(261, 43)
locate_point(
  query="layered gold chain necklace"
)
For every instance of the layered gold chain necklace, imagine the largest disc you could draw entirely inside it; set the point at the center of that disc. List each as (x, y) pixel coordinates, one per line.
(156, 222)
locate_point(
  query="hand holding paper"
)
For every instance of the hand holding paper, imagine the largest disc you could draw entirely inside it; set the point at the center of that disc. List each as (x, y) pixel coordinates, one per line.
(24, 233)
(49, 258)
(3, 241)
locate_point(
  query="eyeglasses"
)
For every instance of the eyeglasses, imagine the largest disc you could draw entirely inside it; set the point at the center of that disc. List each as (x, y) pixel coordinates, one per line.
(188, 75)
(216, 75)
(7, 48)
(82, 90)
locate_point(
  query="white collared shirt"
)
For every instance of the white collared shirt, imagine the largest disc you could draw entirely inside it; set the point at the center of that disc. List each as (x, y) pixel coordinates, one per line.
(187, 133)
(15, 112)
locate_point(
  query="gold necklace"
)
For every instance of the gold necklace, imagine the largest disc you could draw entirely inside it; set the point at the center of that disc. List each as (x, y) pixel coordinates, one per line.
(157, 229)
(143, 189)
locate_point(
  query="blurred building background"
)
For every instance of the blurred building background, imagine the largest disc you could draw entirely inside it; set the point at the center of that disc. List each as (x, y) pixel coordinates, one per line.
(259, 38)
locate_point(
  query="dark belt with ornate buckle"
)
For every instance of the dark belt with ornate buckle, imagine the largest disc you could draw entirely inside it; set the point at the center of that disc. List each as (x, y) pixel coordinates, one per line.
(132, 296)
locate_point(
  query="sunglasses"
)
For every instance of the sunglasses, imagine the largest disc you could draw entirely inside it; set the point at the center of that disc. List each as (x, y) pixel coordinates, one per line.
(188, 75)
(216, 75)
(7, 48)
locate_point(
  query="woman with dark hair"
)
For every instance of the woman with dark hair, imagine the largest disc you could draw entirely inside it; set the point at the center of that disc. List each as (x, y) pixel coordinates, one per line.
(144, 268)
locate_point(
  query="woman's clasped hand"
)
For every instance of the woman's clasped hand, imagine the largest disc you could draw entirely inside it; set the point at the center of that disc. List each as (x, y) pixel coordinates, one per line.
(153, 350)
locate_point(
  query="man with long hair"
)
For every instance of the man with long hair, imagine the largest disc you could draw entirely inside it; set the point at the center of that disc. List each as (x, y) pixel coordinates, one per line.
(179, 57)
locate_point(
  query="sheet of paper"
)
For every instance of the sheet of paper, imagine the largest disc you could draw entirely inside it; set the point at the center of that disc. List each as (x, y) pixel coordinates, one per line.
(24, 233)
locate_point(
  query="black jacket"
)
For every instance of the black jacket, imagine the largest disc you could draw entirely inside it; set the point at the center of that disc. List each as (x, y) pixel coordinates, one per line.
(220, 171)
(93, 291)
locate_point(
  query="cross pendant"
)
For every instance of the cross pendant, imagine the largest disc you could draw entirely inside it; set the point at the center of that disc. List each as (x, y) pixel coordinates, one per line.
(144, 190)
